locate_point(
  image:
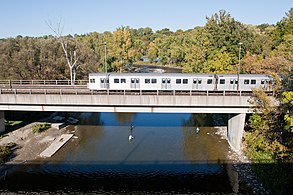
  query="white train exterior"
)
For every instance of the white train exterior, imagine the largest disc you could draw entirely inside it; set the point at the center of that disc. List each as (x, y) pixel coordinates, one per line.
(178, 81)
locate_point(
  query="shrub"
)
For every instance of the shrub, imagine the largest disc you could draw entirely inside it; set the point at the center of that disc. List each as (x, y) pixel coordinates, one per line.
(40, 127)
(5, 151)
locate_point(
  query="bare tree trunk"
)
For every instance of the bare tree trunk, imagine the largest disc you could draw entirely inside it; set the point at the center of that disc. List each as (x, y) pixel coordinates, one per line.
(71, 57)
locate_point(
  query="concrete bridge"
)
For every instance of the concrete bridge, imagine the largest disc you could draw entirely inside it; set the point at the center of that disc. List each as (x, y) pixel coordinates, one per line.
(82, 100)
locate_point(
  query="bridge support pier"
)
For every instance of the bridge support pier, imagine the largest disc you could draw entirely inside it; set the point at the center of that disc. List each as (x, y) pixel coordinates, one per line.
(235, 131)
(2, 122)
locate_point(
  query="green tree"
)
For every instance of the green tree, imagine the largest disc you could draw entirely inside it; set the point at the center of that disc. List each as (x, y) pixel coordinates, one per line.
(195, 46)
(225, 32)
(123, 47)
(284, 27)
(219, 62)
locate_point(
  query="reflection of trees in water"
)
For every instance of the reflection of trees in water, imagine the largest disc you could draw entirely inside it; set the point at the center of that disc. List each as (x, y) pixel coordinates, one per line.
(198, 147)
(88, 136)
(93, 118)
(89, 129)
(204, 145)
(124, 118)
(206, 120)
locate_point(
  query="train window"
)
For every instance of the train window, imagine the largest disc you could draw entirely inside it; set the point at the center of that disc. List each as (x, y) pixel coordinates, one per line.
(197, 81)
(116, 80)
(253, 82)
(210, 81)
(168, 81)
(222, 81)
(163, 81)
(92, 80)
(102, 80)
(178, 81)
(137, 80)
(231, 81)
(123, 81)
(147, 81)
(185, 81)
(262, 82)
(246, 81)
(132, 80)
(154, 80)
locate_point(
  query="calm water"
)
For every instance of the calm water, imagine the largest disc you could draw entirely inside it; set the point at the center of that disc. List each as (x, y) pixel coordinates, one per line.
(165, 156)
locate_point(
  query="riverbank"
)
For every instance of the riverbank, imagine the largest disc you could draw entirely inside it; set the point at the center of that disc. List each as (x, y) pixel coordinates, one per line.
(29, 145)
(243, 168)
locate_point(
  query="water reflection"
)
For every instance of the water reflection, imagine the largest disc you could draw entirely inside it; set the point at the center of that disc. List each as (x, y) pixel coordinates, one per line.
(167, 156)
(124, 118)
(131, 137)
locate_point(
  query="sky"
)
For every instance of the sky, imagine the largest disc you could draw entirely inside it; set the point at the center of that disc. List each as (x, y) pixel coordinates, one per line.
(31, 17)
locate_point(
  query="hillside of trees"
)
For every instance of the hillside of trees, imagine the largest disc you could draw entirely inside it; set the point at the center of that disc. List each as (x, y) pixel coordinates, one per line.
(212, 48)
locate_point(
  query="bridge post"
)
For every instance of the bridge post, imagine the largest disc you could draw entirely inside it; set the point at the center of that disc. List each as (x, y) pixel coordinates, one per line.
(2, 122)
(235, 131)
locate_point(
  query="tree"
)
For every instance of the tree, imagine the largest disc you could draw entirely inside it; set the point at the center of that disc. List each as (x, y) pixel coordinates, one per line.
(123, 47)
(219, 62)
(153, 52)
(70, 47)
(195, 46)
(224, 31)
(284, 27)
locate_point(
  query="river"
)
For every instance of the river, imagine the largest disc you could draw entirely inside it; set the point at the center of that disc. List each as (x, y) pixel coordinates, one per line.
(166, 155)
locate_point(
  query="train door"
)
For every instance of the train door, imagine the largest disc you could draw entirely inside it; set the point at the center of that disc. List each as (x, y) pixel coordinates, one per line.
(134, 83)
(216, 82)
(196, 84)
(265, 83)
(104, 83)
(233, 84)
(166, 83)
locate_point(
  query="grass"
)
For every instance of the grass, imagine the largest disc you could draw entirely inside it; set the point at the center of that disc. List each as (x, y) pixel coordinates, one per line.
(5, 151)
(40, 127)
(12, 123)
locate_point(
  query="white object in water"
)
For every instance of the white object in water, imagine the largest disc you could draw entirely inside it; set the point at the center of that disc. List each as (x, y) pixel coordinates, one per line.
(130, 138)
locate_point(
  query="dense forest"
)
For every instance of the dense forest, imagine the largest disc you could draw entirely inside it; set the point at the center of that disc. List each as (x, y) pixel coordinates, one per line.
(213, 48)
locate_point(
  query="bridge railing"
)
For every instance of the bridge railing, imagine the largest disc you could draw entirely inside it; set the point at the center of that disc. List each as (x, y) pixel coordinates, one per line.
(41, 82)
(85, 91)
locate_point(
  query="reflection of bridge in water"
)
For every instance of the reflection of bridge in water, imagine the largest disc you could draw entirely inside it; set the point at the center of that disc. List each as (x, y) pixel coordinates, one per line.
(65, 98)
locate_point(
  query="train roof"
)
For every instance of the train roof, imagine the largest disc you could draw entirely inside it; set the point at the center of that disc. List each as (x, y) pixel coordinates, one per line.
(180, 74)
(244, 75)
(153, 74)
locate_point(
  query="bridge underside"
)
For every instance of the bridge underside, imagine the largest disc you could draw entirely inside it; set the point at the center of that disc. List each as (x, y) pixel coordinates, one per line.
(147, 109)
(125, 103)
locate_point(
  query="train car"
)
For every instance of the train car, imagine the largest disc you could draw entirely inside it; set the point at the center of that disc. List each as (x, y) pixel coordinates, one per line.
(228, 82)
(178, 81)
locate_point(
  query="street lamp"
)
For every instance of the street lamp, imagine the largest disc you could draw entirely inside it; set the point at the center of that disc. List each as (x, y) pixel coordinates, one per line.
(105, 64)
(238, 72)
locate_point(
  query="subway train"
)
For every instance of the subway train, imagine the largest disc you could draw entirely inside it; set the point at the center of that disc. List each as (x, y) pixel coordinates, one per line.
(178, 82)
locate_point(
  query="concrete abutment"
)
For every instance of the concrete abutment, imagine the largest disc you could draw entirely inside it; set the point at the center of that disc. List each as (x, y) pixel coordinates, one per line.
(235, 131)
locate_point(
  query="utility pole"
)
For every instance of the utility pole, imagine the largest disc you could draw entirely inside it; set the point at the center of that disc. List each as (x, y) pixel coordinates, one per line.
(105, 65)
(238, 72)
